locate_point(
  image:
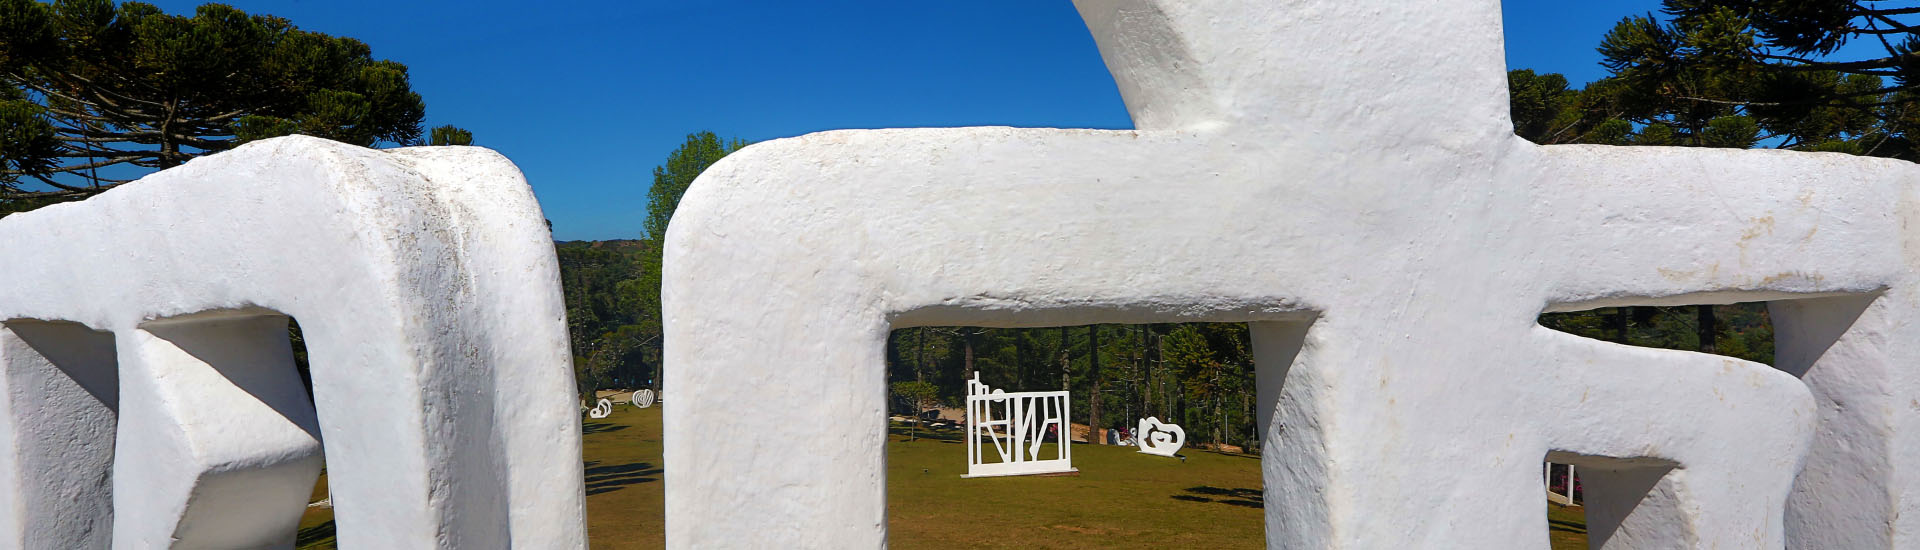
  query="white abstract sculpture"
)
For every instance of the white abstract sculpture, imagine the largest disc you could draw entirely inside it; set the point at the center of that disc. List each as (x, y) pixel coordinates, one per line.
(148, 384)
(1016, 426)
(1344, 176)
(643, 398)
(1158, 438)
(601, 410)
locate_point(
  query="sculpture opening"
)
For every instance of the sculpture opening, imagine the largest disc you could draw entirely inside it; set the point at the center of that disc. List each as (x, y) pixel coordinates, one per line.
(1195, 379)
(1634, 500)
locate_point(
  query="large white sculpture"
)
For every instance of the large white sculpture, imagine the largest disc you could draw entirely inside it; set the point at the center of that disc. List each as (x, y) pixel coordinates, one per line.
(1344, 176)
(1159, 438)
(426, 287)
(1015, 426)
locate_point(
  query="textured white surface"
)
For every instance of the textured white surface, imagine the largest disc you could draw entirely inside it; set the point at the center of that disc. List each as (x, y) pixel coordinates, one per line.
(426, 286)
(1344, 176)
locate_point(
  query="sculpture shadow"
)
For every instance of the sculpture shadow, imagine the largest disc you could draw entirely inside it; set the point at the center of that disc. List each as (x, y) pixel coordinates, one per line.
(951, 435)
(212, 339)
(1566, 526)
(1245, 498)
(322, 533)
(607, 479)
(601, 427)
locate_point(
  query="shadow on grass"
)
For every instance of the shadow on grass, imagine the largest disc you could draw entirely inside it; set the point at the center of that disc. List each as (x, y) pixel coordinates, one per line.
(1245, 498)
(1568, 526)
(601, 427)
(926, 432)
(607, 479)
(318, 536)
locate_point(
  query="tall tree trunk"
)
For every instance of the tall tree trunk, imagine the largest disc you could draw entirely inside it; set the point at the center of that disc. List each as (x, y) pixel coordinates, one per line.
(1251, 444)
(966, 336)
(920, 362)
(1020, 360)
(1066, 384)
(1619, 320)
(1095, 430)
(1066, 363)
(1708, 329)
(1160, 364)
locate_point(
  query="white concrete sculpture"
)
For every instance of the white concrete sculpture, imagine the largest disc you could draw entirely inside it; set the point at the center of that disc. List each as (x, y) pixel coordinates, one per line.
(643, 398)
(1157, 438)
(1016, 426)
(601, 410)
(150, 395)
(1344, 176)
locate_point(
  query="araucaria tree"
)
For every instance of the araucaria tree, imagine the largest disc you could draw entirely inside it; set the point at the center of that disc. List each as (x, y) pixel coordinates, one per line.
(1744, 73)
(92, 94)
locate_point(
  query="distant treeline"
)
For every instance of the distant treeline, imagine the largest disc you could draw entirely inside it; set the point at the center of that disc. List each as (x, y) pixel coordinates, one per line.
(613, 312)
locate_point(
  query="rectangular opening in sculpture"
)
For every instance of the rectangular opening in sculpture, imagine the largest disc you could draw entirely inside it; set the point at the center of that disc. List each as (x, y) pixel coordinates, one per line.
(1634, 502)
(316, 525)
(1741, 330)
(63, 394)
(1187, 389)
(1594, 499)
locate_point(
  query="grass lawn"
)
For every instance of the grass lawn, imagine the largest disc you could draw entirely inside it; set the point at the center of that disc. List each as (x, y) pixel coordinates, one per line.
(1120, 499)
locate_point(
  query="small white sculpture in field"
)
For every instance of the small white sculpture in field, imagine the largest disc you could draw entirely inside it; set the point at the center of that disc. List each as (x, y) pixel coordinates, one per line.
(1157, 438)
(1017, 426)
(643, 398)
(601, 410)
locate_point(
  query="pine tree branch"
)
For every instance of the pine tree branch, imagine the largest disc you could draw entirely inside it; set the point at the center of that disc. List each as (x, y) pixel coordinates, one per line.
(1849, 66)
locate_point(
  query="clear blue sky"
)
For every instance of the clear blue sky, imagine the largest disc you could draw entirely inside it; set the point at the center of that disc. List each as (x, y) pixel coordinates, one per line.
(587, 97)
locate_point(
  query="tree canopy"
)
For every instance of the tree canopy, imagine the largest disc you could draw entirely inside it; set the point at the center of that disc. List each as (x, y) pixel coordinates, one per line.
(670, 180)
(1742, 73)
(612, 288)
(88, 85)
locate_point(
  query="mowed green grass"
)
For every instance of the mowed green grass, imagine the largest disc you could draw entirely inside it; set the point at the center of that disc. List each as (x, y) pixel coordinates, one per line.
(1119, 499)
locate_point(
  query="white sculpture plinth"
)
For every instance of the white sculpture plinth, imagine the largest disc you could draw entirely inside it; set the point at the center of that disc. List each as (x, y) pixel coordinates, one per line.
(426, 287)
(1015, 426)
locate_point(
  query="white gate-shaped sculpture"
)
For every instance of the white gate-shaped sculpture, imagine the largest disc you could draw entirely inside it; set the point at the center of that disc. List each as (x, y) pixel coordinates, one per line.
(1016, 425)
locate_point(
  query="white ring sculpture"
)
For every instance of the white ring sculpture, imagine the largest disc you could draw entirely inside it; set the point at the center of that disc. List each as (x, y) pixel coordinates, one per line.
(601, 410)
(1344, 176)
(425, 283)
(643, 398)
